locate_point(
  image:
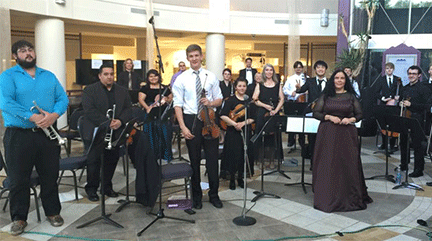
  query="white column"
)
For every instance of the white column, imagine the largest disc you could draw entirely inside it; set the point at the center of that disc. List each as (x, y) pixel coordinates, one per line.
(50, 51)
(5, 52)
(215, 53)
(150, 57)
(294, 36)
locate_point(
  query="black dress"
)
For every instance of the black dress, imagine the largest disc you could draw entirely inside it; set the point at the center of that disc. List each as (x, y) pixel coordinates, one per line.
(153, 126)
(233, 146)
(338, 180)
(269, 96)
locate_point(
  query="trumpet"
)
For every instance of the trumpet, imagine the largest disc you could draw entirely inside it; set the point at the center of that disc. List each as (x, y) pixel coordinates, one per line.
(50, 132)
(109, 134)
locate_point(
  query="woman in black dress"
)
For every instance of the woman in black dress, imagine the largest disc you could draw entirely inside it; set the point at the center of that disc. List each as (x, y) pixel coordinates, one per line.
(269, 98)
(159, 131)
(233, 146)
(227, 89)
(338, 180)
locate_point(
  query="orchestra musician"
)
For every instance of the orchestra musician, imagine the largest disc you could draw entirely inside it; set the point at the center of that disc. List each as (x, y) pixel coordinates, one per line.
(233, 146)
(417, 99)
(269, 98)
(197, 91)
(248, 73)
(25, 144)
(289, 87)
(227, 89)
(251, 88)
(314, 87)
(97, 99)
(160, 131)
(385, 91)
(128, 78)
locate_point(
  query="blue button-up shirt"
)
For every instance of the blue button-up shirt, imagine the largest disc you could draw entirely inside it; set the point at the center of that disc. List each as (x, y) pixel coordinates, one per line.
(18, 90)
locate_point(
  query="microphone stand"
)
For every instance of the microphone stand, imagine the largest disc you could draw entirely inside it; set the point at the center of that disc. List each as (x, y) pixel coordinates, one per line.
(244, 220)
(151, 21)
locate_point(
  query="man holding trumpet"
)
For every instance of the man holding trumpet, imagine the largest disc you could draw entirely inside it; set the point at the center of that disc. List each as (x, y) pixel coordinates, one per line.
(25, 143)
(102, 101)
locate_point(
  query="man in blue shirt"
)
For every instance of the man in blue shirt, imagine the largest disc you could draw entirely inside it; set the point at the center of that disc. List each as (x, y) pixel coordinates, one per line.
(25, 144)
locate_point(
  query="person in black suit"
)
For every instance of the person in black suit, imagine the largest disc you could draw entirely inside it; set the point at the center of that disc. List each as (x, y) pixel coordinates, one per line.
(314, 87)
(251, 88)
(128, 78)
(428, 83)
(387, 92)
(97, 98)
(248, 73)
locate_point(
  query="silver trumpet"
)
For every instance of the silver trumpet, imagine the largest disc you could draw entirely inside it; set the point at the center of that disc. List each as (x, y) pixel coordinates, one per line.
(109, 134)
(49, 131)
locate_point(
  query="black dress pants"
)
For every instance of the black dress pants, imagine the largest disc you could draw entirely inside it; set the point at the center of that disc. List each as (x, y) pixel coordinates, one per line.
(211, 154)
(110, 158)
(25, 149)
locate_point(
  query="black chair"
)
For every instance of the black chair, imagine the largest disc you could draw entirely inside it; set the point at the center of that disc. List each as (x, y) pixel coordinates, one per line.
(34, 181)
(73, 164)
(70, 132)
(172, 171)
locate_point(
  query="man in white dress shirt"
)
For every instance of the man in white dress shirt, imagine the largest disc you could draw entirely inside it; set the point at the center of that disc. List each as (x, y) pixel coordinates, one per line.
(248, 73)
(188, 103)
(348, 71)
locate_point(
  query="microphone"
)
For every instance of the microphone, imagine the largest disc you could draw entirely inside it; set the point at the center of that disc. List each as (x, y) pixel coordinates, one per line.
(151, 20)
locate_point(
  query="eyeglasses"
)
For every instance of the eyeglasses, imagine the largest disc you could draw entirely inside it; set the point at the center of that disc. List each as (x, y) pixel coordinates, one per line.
(411, 73)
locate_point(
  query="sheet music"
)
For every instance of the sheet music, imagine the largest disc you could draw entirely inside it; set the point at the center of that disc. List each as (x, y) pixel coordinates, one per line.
(294, 124)
(311, 125)
(96, 63)
(358, 124)
(137, 64)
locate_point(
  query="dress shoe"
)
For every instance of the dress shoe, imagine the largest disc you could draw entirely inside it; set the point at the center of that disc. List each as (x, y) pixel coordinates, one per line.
(18, 227)
(197, 204)
(240, 182)
(232, 185)
(217, 203)
(56, 220)
(111, 193)
(429, 184)
(381, 147)
(416, 173)
(93, 196)
(394, 149)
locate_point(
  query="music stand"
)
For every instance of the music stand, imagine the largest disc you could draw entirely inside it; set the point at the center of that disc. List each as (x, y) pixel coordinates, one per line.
(281, 122)
(298, 125)
(380, 112)
(99, 139)
(406, 126)
(295, 109)
(254, 138)
(122, 140)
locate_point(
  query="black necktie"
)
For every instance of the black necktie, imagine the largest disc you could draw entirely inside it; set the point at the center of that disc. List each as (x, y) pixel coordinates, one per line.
(320, 84)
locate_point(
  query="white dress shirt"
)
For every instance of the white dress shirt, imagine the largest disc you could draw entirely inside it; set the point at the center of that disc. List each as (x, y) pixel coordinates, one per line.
(323, 83)
(249, 76)
(184, 89)
(355, 87)
(289, 86)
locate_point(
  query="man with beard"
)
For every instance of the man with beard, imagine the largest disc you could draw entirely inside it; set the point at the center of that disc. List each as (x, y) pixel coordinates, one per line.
(25, 144)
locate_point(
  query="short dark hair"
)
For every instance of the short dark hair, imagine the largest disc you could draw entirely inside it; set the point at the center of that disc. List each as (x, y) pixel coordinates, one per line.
(248, 59)
(103, 66)
(320, 62)
(226, 69)
(240, 79)
(19, 44)
(415, 67)
(193, 47)
(297, 63)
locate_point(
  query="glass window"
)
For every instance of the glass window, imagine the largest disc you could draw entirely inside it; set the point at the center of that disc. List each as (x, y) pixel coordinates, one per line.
(421, 17)
(396, 17)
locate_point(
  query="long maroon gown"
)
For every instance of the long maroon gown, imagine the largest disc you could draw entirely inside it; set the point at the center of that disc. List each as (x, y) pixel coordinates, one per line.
(338, 180)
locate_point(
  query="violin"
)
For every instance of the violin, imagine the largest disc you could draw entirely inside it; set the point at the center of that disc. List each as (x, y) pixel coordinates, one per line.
(210, 130)
(237, 113)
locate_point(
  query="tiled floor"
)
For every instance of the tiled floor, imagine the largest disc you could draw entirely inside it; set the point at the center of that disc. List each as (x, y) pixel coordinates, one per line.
(290, 216)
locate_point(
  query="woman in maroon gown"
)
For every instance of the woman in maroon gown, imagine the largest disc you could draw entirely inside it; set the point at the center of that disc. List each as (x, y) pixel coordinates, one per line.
(338, 180)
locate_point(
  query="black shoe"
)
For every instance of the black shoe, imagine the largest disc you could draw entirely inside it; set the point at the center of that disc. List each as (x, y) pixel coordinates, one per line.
(429, 184)
(416, 173)
(217, 203)
(402, 167)
(197, 205)
(394, 149)
(92, 196)
(111, 193)
(232, 185)
(381, 147)
(240, 183)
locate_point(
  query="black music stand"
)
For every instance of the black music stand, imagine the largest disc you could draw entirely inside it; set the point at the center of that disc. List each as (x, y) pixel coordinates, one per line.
(380, 112)
(254, 138)
(300, 129)
(99, 139)
(412, 128)
(295, 109)
(122, 140)
(281, 122)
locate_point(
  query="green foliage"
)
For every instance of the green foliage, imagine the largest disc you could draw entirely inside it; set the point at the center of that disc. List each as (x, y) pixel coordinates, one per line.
(349, 58)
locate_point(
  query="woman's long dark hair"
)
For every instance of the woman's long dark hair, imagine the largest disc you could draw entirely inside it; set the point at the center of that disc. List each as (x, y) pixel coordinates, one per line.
(155, 72)
(330, 91)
